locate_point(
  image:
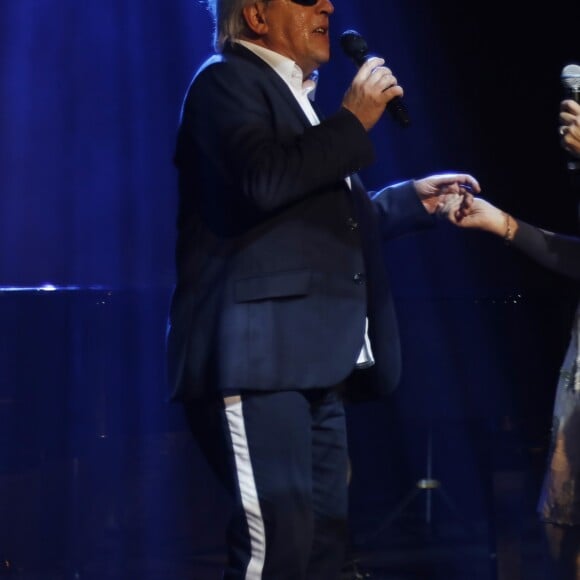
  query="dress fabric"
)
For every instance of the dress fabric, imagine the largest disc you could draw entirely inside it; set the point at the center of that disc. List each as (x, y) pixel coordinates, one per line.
(559, 501)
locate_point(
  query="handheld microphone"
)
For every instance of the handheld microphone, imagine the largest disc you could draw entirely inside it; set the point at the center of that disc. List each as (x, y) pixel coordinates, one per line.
(571, 81)
(570, 78)
(356, 48)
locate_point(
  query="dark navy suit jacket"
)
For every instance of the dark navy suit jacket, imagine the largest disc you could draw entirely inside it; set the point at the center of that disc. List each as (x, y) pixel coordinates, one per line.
(278, 261)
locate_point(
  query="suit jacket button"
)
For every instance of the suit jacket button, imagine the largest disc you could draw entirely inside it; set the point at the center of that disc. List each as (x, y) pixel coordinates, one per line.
(359, 278)
(352, 224)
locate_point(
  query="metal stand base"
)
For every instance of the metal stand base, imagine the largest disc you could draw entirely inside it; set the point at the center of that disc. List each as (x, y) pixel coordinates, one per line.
(429, 486)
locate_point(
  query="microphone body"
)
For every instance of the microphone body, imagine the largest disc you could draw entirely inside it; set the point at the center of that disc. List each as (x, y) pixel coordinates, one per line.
(356, 48)
(570, 78)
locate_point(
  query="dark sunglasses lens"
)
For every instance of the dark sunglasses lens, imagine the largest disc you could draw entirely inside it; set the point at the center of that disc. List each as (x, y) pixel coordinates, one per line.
(305, 2)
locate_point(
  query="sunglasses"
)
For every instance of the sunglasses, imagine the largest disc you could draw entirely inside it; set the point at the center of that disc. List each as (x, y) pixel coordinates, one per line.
(300, 2)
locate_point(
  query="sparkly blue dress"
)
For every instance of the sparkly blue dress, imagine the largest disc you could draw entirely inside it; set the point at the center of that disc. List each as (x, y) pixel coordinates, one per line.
(560, 496)
(559, 501)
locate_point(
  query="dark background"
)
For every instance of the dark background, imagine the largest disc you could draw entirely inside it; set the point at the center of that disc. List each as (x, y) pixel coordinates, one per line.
(96, 465)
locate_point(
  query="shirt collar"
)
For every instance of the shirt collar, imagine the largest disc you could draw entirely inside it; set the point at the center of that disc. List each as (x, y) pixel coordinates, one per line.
(290, 72)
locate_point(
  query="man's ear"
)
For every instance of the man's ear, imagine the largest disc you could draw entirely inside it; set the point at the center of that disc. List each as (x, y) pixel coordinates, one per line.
(255, 17)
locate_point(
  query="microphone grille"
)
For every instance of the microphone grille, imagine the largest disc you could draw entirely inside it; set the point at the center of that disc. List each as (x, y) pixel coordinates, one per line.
(571, 76)
(353, 44)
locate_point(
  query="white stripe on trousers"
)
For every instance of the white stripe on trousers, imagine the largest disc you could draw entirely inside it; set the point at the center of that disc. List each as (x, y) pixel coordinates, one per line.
(248, 491)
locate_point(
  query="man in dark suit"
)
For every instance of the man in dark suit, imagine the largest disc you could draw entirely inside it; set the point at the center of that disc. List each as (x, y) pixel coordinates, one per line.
(282, 303)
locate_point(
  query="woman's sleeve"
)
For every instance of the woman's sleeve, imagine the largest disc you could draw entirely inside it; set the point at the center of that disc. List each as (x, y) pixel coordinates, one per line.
(558, 252)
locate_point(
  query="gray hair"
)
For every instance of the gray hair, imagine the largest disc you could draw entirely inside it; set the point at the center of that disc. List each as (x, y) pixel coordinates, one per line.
(228, 20)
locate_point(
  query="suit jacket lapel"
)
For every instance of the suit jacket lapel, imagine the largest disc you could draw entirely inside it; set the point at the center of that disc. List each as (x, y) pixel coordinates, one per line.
(273, 77)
